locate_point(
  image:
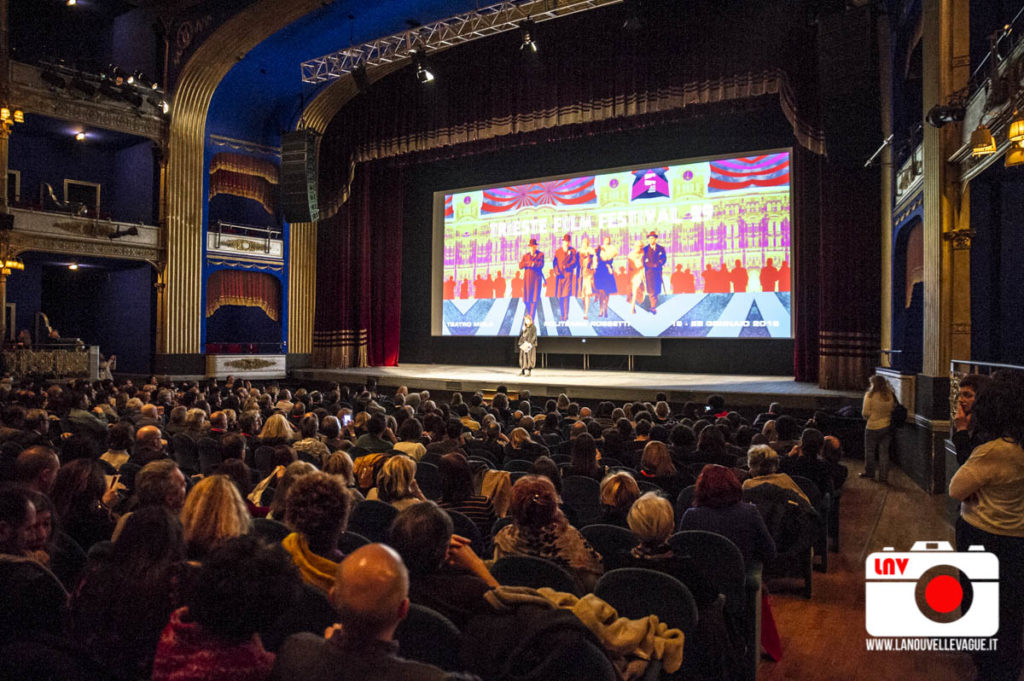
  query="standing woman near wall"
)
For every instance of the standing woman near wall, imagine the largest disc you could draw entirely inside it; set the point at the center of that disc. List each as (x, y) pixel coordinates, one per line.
(879, 402)
(990, 485)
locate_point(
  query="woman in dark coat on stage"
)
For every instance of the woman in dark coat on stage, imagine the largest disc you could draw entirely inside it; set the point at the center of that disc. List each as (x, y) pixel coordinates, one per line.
(527, 337)
(604, 274)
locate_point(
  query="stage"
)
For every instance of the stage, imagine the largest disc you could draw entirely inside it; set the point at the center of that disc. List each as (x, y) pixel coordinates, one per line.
(618, 386)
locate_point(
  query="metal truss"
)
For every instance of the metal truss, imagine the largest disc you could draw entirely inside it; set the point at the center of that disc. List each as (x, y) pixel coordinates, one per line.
(440, 35)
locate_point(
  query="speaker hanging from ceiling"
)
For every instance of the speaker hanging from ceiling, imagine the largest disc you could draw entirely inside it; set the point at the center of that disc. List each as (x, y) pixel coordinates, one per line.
(298, 176)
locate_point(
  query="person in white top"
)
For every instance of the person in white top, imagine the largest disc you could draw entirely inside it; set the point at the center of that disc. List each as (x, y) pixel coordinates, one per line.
(879, 402)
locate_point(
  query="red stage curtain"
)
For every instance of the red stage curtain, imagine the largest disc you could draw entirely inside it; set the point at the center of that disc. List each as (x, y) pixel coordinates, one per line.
(244, 176)
(359, 274)
(250, 289)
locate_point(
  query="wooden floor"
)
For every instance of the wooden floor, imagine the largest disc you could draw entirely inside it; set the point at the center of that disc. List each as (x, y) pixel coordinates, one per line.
(823, 638)
(620, 386)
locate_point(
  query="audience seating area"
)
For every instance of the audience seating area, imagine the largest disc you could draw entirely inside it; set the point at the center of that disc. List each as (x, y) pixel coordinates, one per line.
(390, 451)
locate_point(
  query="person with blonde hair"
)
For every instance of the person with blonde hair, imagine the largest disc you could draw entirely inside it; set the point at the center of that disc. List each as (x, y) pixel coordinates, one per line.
(618, 492)
(396, 483)
(769, 431)
(214, 512)
(879, 401)
(763, 462)
(195, 423)
(276, 431)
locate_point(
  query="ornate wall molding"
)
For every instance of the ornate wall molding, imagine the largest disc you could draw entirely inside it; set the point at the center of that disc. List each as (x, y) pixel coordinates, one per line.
(196, 85)
(961, 238)
(33, 95)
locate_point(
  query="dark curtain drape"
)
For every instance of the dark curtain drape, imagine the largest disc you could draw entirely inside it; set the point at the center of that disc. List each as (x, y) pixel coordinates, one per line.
(593, 79)
(359, 273)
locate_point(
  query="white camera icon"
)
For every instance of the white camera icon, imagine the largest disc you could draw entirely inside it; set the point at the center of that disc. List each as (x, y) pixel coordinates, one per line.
(932, 591)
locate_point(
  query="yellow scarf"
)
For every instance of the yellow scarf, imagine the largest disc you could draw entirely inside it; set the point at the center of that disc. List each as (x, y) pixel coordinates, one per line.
(315, 570)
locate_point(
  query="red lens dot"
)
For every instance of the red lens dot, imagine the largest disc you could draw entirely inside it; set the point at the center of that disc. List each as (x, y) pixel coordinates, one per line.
(944, 594)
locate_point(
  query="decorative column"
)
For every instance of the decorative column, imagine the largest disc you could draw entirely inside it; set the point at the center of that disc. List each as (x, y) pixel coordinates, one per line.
(301, 287)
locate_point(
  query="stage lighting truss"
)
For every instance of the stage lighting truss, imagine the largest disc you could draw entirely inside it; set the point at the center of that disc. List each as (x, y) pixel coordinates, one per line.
(440, 35)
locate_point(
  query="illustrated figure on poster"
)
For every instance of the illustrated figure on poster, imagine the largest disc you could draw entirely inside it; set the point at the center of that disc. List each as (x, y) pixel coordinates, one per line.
(479, 287)
(549, 284)
(586, 274)
(532, 264)
(567, 275)
(683, 281)
(489, 286)
(724, 278)
(604, 274)
(464, 290)
(655, 258)
(768, 276)
(635, 263)
(449, 287)
(527, 345)
(740, 277)
(708, 277)
(516, 286)
(499, 286)
(784, 276)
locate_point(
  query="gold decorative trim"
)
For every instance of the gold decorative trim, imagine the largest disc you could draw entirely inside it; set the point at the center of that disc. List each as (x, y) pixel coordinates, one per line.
(196, 85)
(301, 286)
(249, 364)
(244, 264)
(49, 244)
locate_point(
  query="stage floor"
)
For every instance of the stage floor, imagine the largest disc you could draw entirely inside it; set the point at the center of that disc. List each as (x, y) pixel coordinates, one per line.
(596, 385)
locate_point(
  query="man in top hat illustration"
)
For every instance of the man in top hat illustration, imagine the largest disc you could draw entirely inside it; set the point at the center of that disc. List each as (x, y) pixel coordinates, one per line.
(567, 275)
(654, 260)
(532, 264)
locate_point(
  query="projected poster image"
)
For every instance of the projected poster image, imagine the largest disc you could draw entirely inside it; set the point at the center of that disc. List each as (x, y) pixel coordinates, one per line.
(699, 249)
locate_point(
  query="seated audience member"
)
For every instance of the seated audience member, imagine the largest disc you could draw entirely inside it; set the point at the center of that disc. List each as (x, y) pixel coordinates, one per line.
(119, 443)
(126, 597)
(276, 431)
(966, 435)
(160, 483)
(769, 432)
(371, 594)
(832, 454)
(149, 446)
(584, 460)
(241, 588)
(521, 446)
(774, 412)
(763, 462)
(711, 448)
(540, 529)
(36, 468)
(409, 434)
(545, 466)
(83, 500)
(340, 465)
(788, 432)
(17, 521)
(450, 441)
(214, 512)
(377, 437)
(36, 430)
(396, 483)
(805, 460)
(618, 492)
(311, 448)
(196, 425)
(652, 520)
(330, 428)
(718, 506)
(682, 445)
(317, 512)
(218, 425)
(457, 493)
(53, 548)
(444, 573)
(467, 421)
(283, 483)
(656, 466)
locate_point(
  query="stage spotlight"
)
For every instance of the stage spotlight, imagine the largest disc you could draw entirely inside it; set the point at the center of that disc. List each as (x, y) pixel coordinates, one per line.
(80, 136)
(982, 142)
(71, 3)
(528, 31)
(73, 266)
(634, 21)
(423, 72)
(939, 115)
(118, 74)
(361, 79)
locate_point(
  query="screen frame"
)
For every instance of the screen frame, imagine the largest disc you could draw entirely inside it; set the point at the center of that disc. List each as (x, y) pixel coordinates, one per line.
(437, 238)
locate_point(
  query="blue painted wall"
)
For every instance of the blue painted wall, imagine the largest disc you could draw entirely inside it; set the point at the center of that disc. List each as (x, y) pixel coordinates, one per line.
(134, 184)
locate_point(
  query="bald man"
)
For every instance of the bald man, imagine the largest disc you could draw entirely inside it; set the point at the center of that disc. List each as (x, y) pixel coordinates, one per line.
(36, 468)
(371, 595)
(149, 445)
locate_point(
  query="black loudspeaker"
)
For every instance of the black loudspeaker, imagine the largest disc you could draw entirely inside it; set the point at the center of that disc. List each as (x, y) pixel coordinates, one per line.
(298, 176)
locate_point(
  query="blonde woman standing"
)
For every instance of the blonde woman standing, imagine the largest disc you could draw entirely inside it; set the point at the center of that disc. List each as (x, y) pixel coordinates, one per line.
(879, 402)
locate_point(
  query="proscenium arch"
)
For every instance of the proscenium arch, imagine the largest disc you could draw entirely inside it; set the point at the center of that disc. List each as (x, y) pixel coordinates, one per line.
(199, 80)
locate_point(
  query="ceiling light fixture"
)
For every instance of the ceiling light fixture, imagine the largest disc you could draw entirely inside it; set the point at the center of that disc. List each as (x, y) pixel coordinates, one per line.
(982, 142)
(1016, 130)
(528, 32)
(73, 266)
(423, 72)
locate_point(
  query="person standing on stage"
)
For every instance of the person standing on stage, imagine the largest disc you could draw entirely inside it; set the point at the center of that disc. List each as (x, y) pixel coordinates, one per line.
(604, 275)
(532, 264)
(527, 345)
(654, 260)
(567, 274)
